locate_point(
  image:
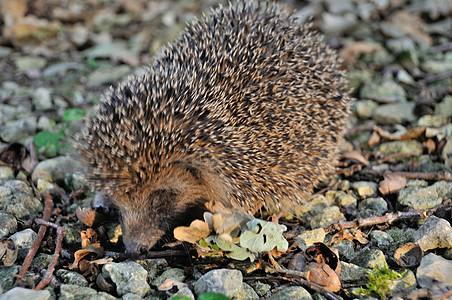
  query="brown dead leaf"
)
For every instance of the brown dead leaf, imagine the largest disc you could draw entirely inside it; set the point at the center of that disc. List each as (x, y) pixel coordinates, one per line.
(408, 255)
(102, 261)
(13, 155)
(323, 254)
(14, 9)
(9, 250)
(323, 275)
(392, 183)
(89, 237)
(87, 216)
(229, 222)
(352, 52)
(357, 156)
(168, 284)
(31, 30)
(401, 134)
(355, 235)
(429, 145)
(197, 230)
(374, 139)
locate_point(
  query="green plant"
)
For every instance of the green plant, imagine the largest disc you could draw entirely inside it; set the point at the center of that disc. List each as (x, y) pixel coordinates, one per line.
(48, 142)
(378, 282)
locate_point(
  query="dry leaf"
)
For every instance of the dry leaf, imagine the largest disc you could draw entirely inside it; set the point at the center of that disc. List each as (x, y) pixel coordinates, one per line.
(197, 230)
(9, 250)
(374, 139)
(356, 155)
(401, 133)
(323, 275)
(392, 183)
(429, 145)
(355, 235)
(15, 9)
(89, 237)
(168, 284)
(323, 254)
(408, 255)
(352, 52)
(227, 222)
(86, 215)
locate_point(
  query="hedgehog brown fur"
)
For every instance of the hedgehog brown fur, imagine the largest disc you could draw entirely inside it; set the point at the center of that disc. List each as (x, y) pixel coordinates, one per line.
(246, 108)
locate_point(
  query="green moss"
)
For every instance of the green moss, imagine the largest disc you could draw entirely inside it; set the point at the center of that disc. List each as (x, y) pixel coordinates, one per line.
(378, 282)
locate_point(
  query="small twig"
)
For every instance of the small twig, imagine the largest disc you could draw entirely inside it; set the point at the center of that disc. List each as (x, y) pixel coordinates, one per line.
(376, 220)
(59, 241)
(426, 175)
(349, 171)
(436, 77)
(48, 203)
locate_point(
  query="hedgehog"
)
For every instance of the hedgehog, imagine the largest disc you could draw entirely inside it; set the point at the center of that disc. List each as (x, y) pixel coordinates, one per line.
(243, 111)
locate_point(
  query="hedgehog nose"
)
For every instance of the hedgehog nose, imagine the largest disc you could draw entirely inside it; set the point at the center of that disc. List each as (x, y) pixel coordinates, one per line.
(135, 250)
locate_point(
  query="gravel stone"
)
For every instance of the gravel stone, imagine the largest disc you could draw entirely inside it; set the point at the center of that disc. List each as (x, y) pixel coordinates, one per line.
(16, 198)
(383, 92)
(370, 258)
(326, 217)
(170, 273)
(434, 268)
(153, 266)
(346, 249)
(394, 113)
(6, 173)
(22, 293)
(42, 99)
(365, 188)
(24, 238)
(419, 198)
(434, 233)
(405, 284)
(129, 277)
(383, 240)
(308, 238)
(351, 273)
(75, 292)
(20, 130)
(69, 277)
(364, 109)
(8, 224)
(291, 292)
(221, 281)
(411, 146)
(7, 277)
(341, 198)
(184, 292)
(372, 207)
(55, 169)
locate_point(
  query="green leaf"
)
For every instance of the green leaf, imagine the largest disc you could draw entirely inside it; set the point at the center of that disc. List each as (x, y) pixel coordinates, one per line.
(263, 236)
(234, 251)
(92, 63)
(73, 114)
(212, 296)
(47, 142)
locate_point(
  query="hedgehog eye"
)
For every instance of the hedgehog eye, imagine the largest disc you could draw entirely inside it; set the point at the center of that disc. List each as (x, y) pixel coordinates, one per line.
(127, 192)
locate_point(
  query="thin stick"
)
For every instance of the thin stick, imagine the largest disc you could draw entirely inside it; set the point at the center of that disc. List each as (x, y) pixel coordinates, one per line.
(59, 241)
(377, 220)
(48, 203)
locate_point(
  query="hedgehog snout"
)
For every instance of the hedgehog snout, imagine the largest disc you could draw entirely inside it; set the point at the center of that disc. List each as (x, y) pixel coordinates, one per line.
(140, 230)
